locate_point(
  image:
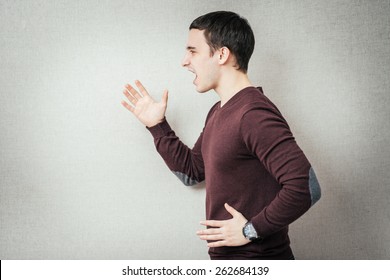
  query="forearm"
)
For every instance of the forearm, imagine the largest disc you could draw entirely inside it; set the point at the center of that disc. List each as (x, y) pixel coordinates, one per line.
(290, 203)
(299, 191)
(185, 163)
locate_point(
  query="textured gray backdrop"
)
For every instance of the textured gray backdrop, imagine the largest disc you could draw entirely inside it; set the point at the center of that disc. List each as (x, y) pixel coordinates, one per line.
(79, 176)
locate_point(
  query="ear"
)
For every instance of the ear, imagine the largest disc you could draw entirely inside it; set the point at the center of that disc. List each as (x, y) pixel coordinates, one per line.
(223, 55)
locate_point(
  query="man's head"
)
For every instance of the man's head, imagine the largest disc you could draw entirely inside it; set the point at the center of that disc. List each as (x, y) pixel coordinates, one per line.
(227, 29)
(217, 41)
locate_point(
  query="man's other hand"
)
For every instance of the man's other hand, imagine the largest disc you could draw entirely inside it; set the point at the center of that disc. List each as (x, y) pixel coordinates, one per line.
(226, 232)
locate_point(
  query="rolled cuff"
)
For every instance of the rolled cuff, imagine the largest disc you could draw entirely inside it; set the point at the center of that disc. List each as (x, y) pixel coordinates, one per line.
(160, 130)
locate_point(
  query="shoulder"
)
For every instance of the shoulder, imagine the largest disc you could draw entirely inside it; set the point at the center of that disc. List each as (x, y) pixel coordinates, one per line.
(255, 100)
(259, 112)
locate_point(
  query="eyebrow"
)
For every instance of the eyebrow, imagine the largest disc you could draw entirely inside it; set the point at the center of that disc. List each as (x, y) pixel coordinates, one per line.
(190, 48)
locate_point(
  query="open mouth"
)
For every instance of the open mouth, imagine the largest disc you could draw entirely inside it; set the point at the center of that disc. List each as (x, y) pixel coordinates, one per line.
(196, 76)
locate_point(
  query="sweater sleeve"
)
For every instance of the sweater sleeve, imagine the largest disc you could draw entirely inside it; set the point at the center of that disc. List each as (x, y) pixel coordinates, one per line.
(268, 136)
(187, 164)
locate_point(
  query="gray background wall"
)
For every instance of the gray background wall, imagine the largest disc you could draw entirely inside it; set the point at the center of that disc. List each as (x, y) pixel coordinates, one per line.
(79, 176)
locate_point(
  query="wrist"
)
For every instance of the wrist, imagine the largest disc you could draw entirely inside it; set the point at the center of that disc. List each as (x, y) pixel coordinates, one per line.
(159, 130)
(154, 123)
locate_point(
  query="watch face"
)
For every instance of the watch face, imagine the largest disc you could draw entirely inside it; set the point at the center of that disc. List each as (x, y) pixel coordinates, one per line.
(250, 232)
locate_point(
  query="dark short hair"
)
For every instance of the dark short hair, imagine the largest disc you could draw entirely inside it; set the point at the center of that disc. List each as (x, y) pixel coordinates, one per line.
(228, 29)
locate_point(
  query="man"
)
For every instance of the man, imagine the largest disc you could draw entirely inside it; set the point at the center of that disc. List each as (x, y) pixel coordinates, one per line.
(258, 180)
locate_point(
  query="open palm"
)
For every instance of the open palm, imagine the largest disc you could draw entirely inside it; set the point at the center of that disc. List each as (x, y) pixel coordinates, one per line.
(143, 106)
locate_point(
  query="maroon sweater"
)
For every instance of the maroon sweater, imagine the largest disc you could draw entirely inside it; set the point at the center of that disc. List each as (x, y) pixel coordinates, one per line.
(249, 159)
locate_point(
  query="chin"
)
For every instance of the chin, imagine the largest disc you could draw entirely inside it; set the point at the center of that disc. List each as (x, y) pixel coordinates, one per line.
(201, 89)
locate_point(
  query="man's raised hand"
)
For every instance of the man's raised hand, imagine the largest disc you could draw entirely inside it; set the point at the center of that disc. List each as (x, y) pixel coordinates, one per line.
(143, 106)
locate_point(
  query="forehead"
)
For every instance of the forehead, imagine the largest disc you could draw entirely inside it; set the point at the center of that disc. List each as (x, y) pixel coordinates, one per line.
(196, 39)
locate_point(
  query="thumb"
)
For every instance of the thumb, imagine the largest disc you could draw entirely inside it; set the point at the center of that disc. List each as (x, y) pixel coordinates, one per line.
(231, 210)
(164, 98)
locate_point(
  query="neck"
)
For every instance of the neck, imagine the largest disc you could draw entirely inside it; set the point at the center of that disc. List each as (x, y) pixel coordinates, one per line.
(230, 84)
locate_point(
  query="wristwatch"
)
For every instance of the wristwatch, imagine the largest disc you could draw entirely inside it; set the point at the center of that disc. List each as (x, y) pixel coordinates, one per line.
(250, 232)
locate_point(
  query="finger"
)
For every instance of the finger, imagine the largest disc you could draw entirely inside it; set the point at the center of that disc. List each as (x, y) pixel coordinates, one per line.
(231, 210)
(211, 237)
(134, 93)
(141, 88)
(209, 231)
(213, 223)
(217, 244)
(164, 98)
(130, 97)
(127, 106)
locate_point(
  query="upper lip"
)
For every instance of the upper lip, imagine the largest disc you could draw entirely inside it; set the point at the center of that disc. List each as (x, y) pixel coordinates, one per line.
(191, 70)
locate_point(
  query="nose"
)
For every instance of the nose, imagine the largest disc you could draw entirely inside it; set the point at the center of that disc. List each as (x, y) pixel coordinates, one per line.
(186, 61)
